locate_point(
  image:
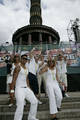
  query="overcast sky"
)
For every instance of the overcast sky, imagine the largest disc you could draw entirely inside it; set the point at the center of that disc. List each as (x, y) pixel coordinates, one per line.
(55, 13)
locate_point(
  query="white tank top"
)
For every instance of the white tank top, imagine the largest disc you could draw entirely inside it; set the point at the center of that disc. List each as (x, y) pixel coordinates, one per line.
(51, 75)
(61, 66)
(21, 79)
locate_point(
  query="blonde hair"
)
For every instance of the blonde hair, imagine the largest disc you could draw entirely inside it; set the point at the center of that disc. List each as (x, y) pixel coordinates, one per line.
(51, 61)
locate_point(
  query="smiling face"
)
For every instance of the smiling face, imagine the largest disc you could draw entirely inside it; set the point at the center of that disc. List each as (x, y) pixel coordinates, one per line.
(23, 59)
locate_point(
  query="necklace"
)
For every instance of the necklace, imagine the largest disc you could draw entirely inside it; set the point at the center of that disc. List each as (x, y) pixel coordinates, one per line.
(53, 75)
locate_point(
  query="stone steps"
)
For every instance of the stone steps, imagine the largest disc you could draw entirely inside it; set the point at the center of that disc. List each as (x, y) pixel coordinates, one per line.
(44, 100)
(64, 114)
(70, 109)
(44, 106)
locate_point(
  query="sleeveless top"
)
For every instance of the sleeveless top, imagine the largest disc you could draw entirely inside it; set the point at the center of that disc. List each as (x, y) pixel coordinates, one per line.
(51, 75)
(21, 79)
(61, 66)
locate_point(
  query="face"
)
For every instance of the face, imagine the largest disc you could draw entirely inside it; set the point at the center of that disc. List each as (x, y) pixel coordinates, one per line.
(51, 63)
(36, 58)
(60, 57)
(23, 60)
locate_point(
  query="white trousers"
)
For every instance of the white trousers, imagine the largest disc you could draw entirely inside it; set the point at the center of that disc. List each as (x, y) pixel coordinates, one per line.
(40, 78)
(21, 94)
(55, 96)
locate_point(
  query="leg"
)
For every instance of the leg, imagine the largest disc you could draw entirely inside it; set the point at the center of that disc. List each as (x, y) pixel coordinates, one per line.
(34, 102)
(33, 83)
(39, 83)
(58, 94)
(44, 82)
(52, 100)
(64, 80)
(11, 97)
(19, 93)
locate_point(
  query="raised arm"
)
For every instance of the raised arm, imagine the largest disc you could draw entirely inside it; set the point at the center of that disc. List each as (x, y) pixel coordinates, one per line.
(44, 69)
(31, 53)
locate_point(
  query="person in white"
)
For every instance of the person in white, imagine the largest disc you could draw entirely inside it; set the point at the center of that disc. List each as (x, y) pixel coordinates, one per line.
(16, 62)
(62, 70)
(41, 77)
(33, 67)
(23, 91)
(53, 89)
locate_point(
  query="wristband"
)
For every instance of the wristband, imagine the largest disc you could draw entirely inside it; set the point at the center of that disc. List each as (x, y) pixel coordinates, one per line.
(12, 91)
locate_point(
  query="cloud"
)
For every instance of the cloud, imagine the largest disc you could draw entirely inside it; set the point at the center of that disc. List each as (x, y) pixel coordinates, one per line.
(58, 14)
(55, 13)
(13, 15)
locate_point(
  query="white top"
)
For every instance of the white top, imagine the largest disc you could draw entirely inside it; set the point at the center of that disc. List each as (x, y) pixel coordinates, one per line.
(33, 66)
(27, 65)
(21, 79)
(51, 76)
(61, 66)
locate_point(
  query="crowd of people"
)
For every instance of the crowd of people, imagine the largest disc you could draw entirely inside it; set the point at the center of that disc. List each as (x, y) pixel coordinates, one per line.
(25, 78)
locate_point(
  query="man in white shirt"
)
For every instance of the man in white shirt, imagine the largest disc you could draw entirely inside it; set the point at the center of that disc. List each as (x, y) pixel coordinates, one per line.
(62, 70)
(41, 77)
(23, 91)
(33, 67)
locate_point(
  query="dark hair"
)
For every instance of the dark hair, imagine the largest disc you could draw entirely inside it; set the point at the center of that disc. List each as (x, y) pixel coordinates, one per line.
(24, 56)
(14, 59)
(60, 55)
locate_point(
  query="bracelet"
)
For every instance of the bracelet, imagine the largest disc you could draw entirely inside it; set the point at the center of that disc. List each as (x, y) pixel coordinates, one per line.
(12, 91)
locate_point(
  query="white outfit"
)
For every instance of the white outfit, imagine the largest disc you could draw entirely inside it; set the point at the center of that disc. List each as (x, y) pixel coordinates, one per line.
(41, 78)
(53, 91)
(9, 76)
(62, 70)
(22, 92)
(33, 66)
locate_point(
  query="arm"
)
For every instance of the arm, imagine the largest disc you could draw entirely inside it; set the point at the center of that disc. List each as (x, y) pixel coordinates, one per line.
(44, 69)
(40, 65)
(15, 75)
(27, 80)
(58, 78)
(31, 53)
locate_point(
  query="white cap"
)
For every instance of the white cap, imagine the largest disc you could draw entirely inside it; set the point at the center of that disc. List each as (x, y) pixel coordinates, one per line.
(24, 52)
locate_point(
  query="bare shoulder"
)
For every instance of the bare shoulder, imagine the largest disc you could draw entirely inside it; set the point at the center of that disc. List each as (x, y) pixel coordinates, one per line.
(17, 69)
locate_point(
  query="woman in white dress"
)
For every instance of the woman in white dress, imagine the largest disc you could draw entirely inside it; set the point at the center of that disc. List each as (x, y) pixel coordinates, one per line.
(52, 88)
(16, 62)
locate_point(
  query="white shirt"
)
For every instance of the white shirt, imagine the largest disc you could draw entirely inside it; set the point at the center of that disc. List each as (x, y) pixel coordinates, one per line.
(33, 66)
(51, 76)
(21, 79)
(61, 66)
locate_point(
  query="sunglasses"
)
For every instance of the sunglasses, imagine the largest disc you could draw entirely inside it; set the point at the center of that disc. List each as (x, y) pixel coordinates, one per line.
(24, 58)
